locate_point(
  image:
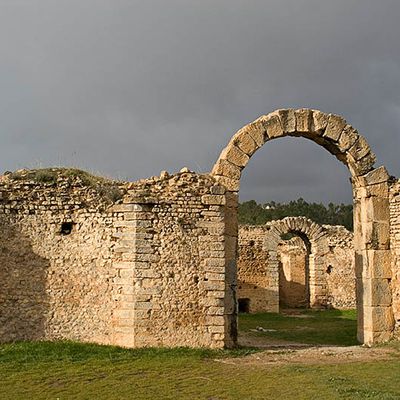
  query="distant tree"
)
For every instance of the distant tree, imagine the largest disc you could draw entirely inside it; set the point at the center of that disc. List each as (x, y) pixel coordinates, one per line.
(250, 212)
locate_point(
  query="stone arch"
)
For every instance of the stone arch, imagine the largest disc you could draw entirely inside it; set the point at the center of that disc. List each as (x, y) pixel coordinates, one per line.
(371, 207)
(314, 236)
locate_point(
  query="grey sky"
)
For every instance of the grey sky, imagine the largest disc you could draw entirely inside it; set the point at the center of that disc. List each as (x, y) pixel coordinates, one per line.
(129, 88)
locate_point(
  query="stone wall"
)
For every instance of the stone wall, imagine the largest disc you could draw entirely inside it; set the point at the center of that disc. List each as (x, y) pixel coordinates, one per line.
(339, 267)
(293, 270)
(395, 247)
(257, 281)
(56, 247)
(146, 270)
(267, 283)
(172, 238)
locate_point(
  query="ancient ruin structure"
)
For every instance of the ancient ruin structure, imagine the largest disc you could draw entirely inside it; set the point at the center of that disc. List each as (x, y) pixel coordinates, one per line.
(158, 266)
(273, 272)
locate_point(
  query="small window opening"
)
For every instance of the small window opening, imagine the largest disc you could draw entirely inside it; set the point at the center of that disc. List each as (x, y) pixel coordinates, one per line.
(329, 269)
(66, 228)
(244, 305)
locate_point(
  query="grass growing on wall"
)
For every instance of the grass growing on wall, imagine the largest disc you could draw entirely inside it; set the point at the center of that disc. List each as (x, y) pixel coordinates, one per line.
(107, 188)
(67, 370)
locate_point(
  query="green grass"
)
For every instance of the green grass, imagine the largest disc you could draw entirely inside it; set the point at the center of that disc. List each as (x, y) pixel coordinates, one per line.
(325, 327)
(67, 370)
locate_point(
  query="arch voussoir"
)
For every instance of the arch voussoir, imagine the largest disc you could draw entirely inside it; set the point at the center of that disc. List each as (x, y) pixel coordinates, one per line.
(329, 130)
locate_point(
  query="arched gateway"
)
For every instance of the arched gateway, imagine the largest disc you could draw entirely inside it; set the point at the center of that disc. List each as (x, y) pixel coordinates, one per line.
(371, 207)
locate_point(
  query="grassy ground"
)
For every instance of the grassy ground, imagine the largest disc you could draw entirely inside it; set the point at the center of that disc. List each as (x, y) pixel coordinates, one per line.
(67, 370)
(326, 327)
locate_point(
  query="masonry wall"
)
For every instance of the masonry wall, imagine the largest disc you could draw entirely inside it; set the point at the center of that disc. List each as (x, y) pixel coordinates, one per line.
(394, 202)
(339, 266)
(258, 281)
(55, 285)
(267, 284)
(172, 258)
(148, 270)
(293, 267)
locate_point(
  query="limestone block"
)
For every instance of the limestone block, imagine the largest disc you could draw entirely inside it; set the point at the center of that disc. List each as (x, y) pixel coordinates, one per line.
(320, 121)
(216, 329)
(378, 319)
(376, 235)
(232, 200)
(359, 149)
(226, 168)
(234, 155)
(366, 164)
(216, 311)
(374, 292)
(214, 320)
(334, 128)
(257, 131)
(244, 141)
(377, 209)
(304, 120)
(213, 199)
(288, 120)
(230, 184)
(347, 139)
(378, 175)
(218, 189)
(231, 222)
(273, 126)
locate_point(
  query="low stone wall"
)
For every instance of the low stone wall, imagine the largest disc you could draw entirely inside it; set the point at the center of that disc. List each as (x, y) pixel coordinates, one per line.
(266, 283)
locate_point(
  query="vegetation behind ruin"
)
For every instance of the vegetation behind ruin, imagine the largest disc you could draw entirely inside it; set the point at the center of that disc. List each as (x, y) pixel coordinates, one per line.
(253, 213)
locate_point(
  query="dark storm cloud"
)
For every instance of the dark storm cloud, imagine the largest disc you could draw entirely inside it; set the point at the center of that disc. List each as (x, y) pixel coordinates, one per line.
(128, 88)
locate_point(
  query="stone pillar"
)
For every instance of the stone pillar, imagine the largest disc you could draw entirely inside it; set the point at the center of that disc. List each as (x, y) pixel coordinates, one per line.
(133, 266)
(373, 257)
(271, 242)
(231, 252)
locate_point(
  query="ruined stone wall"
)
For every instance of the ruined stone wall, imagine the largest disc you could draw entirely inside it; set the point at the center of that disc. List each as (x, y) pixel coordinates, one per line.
(394, 202)
(339, 267)
(55, 285)
(149, 270)
(257, 281)
(172, 250)
(293, 269)
(286, 282)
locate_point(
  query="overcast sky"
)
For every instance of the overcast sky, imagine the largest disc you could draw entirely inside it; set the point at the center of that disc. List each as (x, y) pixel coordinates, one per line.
(128, 88)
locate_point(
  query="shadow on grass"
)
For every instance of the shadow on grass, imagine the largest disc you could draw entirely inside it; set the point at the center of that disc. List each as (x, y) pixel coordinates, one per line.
(68, 351)
(322, 327)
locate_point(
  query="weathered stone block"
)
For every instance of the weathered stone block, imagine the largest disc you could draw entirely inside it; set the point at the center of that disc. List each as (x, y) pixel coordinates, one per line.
(334, 127)
(320, 121)
(213, 199)
(244, 141)
(359, 149)
(230, 184)
(378, 319)
(234, 155)
(304, 120)
(272, 126)
(288, 120)
(347, 139)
